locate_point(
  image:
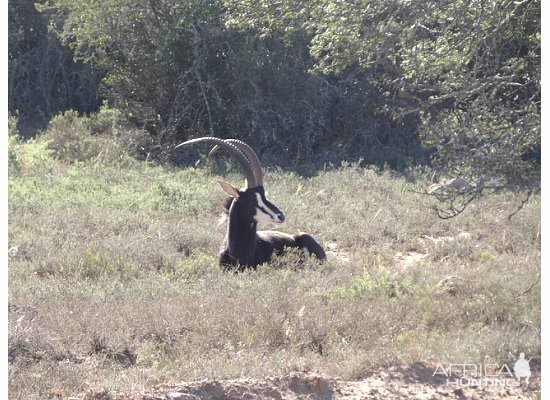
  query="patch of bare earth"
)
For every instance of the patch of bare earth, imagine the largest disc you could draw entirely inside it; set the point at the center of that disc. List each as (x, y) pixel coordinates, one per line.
(411, 258)
(413, 382)
(334, 251)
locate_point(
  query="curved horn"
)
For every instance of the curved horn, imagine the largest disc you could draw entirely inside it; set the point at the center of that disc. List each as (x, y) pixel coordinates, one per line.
(233, 150)
(250, 154)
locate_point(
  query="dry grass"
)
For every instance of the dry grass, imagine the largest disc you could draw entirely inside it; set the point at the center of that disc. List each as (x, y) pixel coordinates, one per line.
(114, 281)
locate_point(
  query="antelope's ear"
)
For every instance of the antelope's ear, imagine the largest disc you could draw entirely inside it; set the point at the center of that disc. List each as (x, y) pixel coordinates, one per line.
(229, 189)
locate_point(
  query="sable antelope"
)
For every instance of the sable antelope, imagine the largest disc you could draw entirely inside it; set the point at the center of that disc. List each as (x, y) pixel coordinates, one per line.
(244, 246)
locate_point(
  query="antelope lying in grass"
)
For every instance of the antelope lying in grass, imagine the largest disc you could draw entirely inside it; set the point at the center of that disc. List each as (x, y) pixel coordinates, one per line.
(244, 246)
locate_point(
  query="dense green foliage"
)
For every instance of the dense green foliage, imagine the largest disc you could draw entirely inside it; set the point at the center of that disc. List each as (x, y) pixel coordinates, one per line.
(390, 82)
(43, 78)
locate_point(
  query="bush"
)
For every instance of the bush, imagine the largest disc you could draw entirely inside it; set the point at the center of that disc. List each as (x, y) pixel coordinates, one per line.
(31, 157)
(69, 138)
(107, 120)
(14, 162)
(103, 138)
(378, 81)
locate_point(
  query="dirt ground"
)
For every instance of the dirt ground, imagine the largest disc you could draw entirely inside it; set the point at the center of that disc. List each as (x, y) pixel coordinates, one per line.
(413, 382)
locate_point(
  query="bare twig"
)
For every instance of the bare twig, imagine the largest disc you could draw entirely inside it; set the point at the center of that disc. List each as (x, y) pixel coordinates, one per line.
(522, 204)
(535, 283)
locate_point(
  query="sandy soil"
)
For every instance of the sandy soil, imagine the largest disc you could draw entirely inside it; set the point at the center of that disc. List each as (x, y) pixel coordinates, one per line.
(413, 382)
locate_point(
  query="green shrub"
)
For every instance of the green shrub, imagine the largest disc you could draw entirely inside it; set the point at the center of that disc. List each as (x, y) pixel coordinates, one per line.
(106, 121)
(74, 138)
(69, 138)
(29, 158)
(14, 162)
(103, 138)
(12, 126)
(94, 265)
(379, 283)
(191, 268)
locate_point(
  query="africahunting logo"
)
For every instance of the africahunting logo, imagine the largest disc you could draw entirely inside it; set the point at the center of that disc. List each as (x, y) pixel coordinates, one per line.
(482, 375)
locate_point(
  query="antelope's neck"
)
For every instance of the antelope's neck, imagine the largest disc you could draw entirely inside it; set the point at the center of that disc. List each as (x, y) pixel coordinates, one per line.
(241, 236)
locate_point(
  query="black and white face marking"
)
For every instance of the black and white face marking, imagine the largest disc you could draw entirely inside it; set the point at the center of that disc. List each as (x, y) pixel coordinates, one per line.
(266, 212)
